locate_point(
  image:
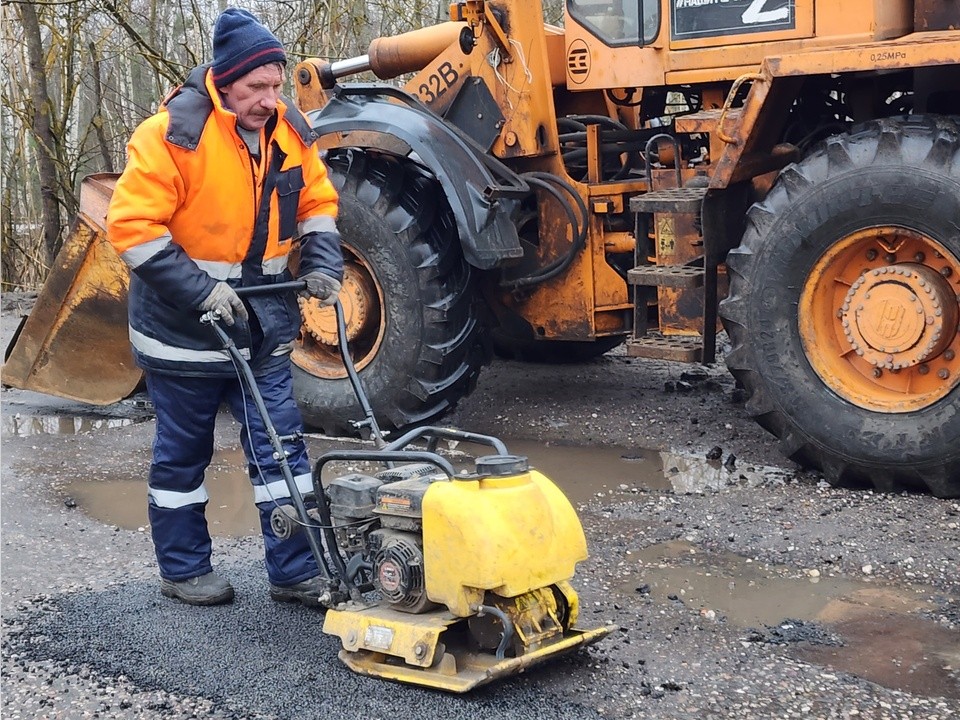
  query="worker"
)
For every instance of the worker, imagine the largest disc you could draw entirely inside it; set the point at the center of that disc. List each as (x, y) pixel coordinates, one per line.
(218, 186)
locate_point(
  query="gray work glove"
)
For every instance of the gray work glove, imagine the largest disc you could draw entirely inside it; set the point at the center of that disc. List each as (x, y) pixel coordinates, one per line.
(223, 301)
(322, 287)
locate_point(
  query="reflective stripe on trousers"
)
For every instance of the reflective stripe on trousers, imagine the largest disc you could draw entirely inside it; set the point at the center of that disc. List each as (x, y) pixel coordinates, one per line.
(186, 410)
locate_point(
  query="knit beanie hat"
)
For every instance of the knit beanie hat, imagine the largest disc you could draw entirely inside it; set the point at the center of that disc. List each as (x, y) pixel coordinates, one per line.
(241, 43)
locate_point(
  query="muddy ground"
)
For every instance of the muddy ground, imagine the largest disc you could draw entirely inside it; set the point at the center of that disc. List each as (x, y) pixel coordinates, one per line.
(742, 586)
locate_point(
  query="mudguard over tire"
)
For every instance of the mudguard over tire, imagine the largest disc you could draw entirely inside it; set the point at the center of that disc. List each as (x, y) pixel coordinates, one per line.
(842, 308)
(409, 300)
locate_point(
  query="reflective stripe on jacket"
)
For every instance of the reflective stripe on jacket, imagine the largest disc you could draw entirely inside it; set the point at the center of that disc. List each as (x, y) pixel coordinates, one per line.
(192, 208)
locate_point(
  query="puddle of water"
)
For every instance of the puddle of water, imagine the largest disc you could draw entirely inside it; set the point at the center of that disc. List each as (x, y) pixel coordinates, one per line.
(582, 472)
(893, 650)
(743, 592)
(26, 425)
(230, 512)
(884, 640)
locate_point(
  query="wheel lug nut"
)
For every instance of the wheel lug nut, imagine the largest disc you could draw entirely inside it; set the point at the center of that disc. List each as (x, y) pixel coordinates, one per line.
(890, 257)
(949, 355)
(919, 257)
(923, 369)
(943, 373)
(946, 271)
(877, 372)
(871, 254)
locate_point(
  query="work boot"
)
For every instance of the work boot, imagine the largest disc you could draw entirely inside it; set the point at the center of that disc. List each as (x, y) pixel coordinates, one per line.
(209, 589)
(306, 592)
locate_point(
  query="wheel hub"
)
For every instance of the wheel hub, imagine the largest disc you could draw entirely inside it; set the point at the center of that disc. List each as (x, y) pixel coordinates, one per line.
(899, 316)
(318, 351)
(878, 318)
(358, 297)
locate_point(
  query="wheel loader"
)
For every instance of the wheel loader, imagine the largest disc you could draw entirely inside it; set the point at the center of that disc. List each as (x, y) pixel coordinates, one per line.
(651, 174)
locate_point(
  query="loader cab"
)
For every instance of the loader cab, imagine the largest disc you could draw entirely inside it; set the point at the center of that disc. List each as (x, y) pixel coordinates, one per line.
(688, 22)
(615, 23)
(692, 41)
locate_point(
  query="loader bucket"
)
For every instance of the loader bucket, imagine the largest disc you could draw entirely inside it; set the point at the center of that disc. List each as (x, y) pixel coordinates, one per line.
(74, 344)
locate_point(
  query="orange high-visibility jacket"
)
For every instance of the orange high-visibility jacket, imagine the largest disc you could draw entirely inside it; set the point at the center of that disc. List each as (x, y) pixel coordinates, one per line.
(192, 207)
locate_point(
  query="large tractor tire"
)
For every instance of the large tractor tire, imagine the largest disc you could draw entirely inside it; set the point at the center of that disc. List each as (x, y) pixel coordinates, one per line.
(409, 303)
(843, 307)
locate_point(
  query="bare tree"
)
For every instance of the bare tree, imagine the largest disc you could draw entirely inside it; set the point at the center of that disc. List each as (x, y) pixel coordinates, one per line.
(38, 113)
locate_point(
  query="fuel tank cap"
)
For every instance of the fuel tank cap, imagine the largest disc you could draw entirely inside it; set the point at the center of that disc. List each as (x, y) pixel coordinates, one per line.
(501, 465)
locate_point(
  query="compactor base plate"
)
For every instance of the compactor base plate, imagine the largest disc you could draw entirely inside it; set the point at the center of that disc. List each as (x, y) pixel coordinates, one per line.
(431, 650)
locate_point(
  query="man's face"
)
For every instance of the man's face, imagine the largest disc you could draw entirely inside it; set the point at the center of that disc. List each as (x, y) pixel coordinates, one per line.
(253, 97)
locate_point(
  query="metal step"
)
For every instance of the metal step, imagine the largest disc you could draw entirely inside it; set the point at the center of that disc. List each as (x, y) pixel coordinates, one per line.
(672, 276)
(679, 348)
(671, 200)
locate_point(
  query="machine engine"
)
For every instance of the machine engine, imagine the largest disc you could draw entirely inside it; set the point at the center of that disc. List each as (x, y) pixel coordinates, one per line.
(379, 525)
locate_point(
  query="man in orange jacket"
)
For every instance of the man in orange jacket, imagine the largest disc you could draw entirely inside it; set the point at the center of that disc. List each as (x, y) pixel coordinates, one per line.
(219, 185)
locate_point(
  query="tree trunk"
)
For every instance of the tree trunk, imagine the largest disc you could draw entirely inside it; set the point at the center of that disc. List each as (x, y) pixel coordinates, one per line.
(42, 130)
(97, 120)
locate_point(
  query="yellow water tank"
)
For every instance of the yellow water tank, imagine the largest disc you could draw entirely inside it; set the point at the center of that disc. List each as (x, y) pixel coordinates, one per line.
(507, 530)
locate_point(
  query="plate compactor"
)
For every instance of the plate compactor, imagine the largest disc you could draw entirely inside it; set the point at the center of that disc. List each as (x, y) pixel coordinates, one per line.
(436, 576)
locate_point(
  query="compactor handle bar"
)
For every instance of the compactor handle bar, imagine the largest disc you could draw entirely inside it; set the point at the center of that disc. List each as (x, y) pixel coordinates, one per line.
(292, 285)
(296, 286)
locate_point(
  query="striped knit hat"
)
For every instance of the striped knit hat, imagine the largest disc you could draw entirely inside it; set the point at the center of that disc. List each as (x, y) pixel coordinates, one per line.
(241, 43)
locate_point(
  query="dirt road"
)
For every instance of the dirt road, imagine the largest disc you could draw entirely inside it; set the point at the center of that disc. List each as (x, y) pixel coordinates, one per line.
(743, 587)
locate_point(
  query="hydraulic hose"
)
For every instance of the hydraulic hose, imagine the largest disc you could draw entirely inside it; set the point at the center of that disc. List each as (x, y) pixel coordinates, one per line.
(550, 183)
(507, 636)
(616, 139)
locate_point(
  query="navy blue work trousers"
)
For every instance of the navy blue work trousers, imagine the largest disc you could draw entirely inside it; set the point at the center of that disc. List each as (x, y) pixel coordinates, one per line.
(186, 410)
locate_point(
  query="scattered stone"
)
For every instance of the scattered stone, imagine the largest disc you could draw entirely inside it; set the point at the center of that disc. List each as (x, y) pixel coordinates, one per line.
(794, 631)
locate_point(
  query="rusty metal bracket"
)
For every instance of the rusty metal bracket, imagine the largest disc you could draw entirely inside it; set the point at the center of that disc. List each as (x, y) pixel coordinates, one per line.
(751, 77)
(476, 14)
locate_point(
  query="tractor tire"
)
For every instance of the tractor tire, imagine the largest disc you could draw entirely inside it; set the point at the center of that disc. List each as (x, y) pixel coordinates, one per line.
(409, 300)
(843, 307)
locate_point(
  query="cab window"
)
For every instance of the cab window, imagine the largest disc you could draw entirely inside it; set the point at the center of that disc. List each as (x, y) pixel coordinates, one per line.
(615, 21)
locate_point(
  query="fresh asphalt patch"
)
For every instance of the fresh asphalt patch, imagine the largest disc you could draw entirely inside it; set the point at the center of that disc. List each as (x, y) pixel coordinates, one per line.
(253, 657)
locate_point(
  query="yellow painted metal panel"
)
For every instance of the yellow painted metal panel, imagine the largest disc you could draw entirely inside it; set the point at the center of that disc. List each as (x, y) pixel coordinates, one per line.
(505, 535)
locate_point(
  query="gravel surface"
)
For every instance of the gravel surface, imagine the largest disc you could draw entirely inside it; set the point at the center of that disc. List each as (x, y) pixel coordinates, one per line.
(762, 593)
